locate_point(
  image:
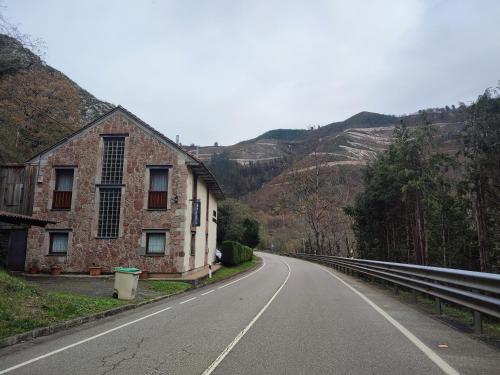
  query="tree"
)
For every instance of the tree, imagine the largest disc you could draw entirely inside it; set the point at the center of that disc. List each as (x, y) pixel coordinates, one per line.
(38, 107)
(406, 194)
(251, 235)
(482, 153)
(235, 222)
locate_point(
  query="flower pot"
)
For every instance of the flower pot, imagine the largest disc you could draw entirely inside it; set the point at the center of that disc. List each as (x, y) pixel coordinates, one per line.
(55, 270)
(95, 271)
(144, 275)
(33, 270)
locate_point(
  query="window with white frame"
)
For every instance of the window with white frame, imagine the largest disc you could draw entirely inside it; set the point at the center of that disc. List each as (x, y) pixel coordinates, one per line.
(158, 188)
(156, 242)
(59, 243)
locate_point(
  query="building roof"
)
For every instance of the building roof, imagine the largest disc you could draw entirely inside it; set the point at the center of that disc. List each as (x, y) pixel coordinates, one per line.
(13, 218)
(195, 164)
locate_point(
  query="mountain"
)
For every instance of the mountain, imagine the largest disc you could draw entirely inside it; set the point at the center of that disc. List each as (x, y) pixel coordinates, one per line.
(38, 104)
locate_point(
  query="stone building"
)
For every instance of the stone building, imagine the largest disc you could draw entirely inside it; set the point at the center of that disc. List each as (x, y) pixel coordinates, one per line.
(122, 194)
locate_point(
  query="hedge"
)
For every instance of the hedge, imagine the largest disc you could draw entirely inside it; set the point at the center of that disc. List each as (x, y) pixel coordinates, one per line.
(234, 253)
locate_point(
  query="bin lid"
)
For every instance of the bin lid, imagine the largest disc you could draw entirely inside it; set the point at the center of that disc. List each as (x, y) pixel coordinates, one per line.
(127, 270)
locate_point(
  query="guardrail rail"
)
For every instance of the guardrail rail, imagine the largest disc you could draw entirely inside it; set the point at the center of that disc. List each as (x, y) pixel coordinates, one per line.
(479, 291)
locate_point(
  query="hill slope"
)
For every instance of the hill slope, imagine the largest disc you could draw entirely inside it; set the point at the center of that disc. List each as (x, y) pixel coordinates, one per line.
(38, 104)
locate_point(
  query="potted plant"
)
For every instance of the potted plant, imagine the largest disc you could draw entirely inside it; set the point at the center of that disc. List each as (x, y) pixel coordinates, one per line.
(95, 270)
(55, 270)
(34, 267)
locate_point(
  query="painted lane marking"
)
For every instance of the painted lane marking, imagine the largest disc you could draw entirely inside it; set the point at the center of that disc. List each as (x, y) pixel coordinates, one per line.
(49, 354)
(183, 302)
(440, 362)
(210, 291)
(244, 277)
(22, 364)
(240, 335)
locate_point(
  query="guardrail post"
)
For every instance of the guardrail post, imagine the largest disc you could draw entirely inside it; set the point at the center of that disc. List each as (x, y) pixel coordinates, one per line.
(413, 296)
(438, 306)
(478, 323)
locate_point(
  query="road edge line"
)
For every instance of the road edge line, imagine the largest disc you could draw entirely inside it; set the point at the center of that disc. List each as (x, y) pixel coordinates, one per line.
(244, 277)
(49, 354)
(431, 354)
(240, 335)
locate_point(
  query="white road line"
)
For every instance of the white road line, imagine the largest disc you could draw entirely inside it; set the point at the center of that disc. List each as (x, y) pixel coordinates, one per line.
(210, 291)
(240, 335)
(244, 277)
(81, 341)
(440, 362)
(183, 302)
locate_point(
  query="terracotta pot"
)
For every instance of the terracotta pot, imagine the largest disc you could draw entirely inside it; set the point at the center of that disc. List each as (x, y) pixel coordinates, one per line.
(55, 270)
(95, 271)
(33, 270)
(144, 275)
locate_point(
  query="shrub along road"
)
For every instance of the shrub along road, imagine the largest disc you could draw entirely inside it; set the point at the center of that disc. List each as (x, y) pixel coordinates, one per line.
(288, 316)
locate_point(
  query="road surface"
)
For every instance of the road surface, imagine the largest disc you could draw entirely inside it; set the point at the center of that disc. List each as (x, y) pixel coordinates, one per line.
(287, 317)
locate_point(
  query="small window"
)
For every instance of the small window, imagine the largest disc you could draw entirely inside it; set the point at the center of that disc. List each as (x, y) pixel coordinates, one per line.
(193, 243)
(13, 194)
(158, 189)
(64, 189)
(196, 213)
(58, 243)
(155, 243)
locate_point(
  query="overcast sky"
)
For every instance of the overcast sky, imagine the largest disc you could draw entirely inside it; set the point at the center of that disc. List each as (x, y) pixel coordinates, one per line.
(227, 71)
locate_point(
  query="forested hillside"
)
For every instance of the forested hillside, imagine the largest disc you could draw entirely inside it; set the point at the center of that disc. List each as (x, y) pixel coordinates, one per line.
(38, 104)
(421, 205)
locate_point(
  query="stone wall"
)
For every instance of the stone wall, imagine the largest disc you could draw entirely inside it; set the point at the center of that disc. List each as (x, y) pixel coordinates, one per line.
(84, 153)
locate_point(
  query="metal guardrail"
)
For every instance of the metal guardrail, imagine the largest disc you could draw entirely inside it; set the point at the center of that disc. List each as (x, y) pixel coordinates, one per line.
(478, 291)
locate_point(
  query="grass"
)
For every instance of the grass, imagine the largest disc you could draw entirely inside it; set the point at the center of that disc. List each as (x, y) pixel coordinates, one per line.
(23, 307)
(168, 287)
(225, 272)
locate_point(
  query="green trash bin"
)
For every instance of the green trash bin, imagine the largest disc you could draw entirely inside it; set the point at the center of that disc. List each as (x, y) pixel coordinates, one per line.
(126, 280)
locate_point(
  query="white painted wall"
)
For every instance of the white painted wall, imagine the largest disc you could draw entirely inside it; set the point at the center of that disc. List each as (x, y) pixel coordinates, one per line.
(199, 259)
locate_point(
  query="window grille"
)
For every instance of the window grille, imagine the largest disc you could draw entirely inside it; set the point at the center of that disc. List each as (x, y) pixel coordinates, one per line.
(109, 212)
(112, 162)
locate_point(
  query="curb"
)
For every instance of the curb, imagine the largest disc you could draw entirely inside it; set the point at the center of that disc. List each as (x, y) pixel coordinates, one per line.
(49, 330)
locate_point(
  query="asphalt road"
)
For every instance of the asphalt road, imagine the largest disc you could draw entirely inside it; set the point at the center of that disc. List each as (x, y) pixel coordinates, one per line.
(287, 317)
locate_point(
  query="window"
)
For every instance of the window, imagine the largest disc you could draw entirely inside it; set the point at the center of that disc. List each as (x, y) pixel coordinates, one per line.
(196, 213)
(155, 243)
(109, 212)
(112, 162)
(158, 189)
(13, 194)
(109, 195)
(58, 243)
(193, 243)
(63, 190)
